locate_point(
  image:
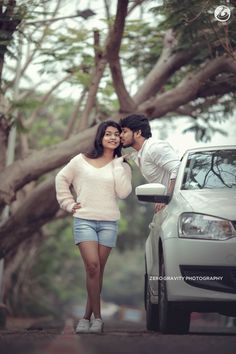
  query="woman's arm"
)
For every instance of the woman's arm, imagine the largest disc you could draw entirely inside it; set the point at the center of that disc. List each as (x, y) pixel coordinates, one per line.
(122, 177)
(63, 181)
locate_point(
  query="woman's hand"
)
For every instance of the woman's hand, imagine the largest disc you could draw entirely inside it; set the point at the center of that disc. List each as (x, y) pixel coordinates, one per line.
(126, 156)
(75, 207)
(121, 158)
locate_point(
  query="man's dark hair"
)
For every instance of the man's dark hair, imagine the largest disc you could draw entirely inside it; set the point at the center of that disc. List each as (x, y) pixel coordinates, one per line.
(137, 122)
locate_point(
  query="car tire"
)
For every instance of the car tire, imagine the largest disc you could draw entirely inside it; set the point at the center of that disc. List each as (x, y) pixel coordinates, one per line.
(151, 309)
(172, 320)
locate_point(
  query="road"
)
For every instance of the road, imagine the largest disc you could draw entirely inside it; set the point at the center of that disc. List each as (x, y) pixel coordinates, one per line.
(119, 337)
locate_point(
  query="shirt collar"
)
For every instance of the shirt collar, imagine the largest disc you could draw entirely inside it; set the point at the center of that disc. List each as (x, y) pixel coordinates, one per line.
(142, 148)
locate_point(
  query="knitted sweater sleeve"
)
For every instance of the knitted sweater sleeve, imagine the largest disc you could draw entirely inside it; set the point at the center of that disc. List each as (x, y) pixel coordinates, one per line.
(63, 180)
(122, 178)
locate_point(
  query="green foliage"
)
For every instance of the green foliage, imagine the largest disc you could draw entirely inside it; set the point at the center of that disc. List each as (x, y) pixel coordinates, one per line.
(66, 43)
(141, 51)
(28, 104)
(49, 126)
(22, 10)
(195, 26)
(69, 49)
(57, 276)
(123, 279)
(203, 125)
(135, 217)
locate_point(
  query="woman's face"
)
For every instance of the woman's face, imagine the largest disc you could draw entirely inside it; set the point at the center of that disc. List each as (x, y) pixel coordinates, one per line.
(111, 138)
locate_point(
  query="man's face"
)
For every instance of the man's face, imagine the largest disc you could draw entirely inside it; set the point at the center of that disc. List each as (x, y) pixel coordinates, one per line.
(127, 137)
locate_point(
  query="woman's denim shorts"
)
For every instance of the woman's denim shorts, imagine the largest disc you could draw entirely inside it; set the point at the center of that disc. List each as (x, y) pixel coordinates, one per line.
(103, 232)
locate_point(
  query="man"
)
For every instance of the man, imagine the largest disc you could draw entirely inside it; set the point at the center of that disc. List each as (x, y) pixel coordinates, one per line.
(156, 158)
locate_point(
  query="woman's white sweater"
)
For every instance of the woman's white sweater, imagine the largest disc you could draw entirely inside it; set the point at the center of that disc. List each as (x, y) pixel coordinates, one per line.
(97, 189)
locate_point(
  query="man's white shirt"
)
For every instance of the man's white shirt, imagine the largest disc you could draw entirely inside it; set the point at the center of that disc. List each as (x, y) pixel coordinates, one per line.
(157, 161)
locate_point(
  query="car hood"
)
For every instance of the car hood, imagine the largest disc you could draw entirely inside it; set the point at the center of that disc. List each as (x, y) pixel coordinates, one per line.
(217, 202)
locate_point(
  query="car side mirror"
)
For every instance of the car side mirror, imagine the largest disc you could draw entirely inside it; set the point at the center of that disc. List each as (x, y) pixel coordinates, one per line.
(152, 192)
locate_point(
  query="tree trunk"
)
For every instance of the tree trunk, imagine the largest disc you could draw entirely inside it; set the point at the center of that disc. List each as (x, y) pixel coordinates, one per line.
(17, 266)
(38, 208)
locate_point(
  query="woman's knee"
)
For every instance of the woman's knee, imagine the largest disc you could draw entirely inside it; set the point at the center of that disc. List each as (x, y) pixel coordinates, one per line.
(93, 269)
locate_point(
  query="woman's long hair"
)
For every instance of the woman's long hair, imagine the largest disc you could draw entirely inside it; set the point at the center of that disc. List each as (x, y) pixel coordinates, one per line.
(98, 149)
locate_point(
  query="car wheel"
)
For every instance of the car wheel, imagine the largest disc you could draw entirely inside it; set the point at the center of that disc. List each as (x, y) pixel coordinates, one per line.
(171, 319)
(151, 309)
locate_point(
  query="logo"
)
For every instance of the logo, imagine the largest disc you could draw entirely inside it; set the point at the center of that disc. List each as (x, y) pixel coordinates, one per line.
(222, 13)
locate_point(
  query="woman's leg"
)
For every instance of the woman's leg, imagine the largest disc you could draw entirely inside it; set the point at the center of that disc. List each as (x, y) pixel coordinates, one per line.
(90, 253)
(103, 253)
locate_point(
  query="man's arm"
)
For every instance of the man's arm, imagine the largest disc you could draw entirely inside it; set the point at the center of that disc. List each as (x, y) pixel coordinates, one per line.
(164, 156)
(159, 206)
(171, 186)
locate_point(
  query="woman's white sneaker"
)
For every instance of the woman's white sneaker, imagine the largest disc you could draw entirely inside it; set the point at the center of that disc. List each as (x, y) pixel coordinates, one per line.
(96, 326)
(83, 326)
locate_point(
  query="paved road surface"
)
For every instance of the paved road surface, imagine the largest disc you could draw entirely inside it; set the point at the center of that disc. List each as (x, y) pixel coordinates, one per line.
(118, 338)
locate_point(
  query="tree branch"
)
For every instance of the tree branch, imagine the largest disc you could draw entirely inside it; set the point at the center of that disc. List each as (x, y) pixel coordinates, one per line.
(96, 75)
(4, 132)
(134, 5)
(45, 98)
(219, 86)
(188, 88)
(8, 24)
(21, 172)
(97, 50)
(30, 57)
(187, 110)
(166, 66)
(74, 115)
(112, 54)
(30, 216)
(107, 10)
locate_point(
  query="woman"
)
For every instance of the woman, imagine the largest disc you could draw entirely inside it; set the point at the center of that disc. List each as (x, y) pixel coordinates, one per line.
(99, 178)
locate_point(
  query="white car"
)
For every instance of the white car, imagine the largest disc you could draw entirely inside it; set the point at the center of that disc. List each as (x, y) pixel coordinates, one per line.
(190, 253)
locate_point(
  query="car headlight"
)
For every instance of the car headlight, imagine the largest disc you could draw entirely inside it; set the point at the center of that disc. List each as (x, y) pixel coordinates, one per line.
(200, 226)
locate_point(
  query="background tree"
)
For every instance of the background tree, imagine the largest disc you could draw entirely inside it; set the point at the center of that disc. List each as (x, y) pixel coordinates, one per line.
(181, 61)
(194, 74)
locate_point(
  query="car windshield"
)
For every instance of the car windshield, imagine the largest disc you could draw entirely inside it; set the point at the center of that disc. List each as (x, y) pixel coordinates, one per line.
(210, 169)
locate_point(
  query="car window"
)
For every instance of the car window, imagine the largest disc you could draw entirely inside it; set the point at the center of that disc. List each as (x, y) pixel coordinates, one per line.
(210, 169)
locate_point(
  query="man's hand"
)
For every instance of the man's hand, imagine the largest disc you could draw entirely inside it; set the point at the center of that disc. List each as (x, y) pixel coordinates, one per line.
(159, 206)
